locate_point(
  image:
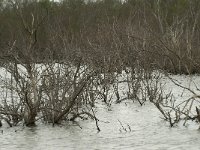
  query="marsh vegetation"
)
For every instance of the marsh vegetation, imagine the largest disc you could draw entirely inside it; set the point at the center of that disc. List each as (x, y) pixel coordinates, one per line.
(59, 59)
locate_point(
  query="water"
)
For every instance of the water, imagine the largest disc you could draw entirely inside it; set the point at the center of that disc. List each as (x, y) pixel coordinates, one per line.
(147, 131)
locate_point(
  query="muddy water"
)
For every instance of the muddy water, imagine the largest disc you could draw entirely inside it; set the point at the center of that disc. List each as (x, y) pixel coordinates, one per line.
(143, 129)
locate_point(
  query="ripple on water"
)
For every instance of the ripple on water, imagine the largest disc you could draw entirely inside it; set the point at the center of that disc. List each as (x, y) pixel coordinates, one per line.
(148, 132)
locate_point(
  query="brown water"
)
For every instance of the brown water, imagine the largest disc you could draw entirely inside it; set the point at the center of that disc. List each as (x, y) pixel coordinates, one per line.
(147, 131)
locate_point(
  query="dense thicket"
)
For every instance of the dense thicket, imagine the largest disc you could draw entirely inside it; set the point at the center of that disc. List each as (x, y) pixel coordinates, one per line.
(109, 34)
(61, 57)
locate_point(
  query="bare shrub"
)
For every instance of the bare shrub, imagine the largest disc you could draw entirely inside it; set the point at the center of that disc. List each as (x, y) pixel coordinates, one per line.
(63, 90)
(23, 93)
(173, 111)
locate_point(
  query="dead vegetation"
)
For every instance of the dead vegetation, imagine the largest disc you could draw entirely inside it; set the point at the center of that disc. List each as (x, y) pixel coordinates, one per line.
(60, 58)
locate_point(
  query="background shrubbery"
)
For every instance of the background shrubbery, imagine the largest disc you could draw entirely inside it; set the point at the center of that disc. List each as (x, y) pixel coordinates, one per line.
(106, 34)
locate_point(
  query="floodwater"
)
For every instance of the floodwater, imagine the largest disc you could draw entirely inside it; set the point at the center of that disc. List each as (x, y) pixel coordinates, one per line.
(143, 129)
(123, 126)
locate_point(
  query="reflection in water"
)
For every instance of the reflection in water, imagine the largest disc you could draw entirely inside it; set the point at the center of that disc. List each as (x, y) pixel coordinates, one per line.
(148, 131)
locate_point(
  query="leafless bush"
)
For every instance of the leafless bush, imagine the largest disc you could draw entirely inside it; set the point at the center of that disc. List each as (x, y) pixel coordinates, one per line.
(187, 109)
(173, 111)
(22, 93)
(64, 89)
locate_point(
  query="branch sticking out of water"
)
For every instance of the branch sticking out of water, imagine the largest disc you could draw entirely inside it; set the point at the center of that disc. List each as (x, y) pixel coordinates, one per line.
(96, 121)
(124, 128)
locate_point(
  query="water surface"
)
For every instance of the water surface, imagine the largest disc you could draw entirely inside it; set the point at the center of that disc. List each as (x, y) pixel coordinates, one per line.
(145, 130)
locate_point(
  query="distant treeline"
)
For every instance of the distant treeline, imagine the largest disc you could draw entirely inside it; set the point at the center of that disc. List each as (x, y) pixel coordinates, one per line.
(108, 34)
